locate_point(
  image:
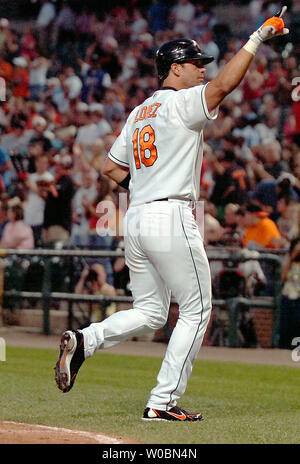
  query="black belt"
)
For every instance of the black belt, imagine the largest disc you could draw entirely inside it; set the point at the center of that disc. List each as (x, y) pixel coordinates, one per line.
(167, 199)
(190, 202)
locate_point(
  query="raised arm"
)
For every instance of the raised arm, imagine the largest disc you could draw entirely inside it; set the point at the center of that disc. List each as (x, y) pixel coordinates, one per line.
(234, 71)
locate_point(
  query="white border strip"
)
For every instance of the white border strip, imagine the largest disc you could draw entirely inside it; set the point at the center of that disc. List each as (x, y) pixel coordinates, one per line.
(99, 438)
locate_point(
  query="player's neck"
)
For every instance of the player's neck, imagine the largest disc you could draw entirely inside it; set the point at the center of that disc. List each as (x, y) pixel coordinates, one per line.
(172, 83)
(165, 87)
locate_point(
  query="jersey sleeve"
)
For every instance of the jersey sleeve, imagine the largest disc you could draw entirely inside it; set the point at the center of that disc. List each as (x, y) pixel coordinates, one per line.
(192, 108)
(118, 152)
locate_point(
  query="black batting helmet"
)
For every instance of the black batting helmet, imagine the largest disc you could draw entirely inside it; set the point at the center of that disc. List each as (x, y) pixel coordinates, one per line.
(178, 51)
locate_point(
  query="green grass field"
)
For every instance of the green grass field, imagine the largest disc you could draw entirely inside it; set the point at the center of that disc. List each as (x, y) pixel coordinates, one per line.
(241, 403)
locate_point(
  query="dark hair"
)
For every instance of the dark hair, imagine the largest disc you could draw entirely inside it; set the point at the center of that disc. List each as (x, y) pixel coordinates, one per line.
(103, 189)
(92, 276)
(228, 155)
(240, 211)
(288, 198)
(19, 212)
(225, 110)
(17, 124)
(284, 186)
(231, 138)
(3, 204)
(253, 208)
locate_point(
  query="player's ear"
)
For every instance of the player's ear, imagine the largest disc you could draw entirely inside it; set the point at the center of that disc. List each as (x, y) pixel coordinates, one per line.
(176, 69)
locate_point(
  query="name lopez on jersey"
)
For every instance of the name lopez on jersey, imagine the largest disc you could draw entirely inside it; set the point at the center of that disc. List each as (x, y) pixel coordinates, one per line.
(147, 112)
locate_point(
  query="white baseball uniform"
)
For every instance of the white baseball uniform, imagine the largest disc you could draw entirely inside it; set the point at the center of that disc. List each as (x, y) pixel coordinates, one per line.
(162, 143)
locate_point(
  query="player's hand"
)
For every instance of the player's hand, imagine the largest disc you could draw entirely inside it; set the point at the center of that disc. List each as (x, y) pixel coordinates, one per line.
(273, 27)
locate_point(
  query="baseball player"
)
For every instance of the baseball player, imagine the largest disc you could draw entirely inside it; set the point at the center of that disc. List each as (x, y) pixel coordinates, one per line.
(159, 155)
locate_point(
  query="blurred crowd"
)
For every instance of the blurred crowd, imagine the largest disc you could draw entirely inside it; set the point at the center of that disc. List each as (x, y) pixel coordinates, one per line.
(71, 76)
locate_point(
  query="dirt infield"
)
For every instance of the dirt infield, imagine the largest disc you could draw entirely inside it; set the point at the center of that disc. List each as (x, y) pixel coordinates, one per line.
(20, 433)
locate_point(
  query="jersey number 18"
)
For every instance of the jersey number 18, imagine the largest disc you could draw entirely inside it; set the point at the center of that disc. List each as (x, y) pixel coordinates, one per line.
(143, 142)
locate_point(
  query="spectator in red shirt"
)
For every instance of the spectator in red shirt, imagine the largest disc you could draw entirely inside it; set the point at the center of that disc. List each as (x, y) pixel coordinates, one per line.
(5, 69)
(20, 78)
(28, 43)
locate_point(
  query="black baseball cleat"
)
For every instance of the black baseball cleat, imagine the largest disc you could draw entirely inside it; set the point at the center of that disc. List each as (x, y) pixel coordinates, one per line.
(173, 414)
(71, 356)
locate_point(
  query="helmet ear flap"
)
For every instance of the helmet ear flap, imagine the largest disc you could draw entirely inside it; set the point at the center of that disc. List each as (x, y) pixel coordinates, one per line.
(163, 65)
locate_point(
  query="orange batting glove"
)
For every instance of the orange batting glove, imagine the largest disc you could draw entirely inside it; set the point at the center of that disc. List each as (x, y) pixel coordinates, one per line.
(273, 27)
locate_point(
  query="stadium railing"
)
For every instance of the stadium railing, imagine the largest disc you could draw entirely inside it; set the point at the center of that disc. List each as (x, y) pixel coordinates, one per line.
(12, 287)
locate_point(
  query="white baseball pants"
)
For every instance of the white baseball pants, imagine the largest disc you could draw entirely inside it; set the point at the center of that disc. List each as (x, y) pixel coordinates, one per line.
(165, 254)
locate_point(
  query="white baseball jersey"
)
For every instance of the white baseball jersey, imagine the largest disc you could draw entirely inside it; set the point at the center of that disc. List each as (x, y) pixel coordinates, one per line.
(163, 249)
(162, 166)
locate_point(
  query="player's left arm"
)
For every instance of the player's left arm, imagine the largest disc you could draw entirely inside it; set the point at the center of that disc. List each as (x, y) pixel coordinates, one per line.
(234, 71)
(116, 165)
(115, 171)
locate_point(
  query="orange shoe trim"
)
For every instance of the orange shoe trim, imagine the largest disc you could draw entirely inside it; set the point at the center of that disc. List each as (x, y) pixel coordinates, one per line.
(178, 416)
(64, 359)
